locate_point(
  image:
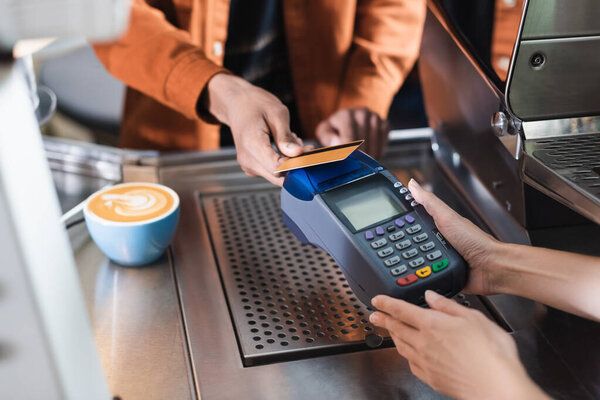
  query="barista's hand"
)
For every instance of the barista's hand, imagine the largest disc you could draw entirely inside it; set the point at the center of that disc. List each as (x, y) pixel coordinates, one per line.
(253, 115)
(351, 124)
(455, 350)
(477, 247)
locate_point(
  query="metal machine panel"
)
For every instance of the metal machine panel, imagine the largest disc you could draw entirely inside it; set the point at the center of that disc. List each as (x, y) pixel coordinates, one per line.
(555, 78)
(542, 21)
(553, 72)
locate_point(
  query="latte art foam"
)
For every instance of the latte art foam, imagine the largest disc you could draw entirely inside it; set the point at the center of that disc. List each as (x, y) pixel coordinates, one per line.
(131, 203)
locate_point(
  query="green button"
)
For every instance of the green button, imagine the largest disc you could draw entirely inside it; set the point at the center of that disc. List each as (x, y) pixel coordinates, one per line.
(438, 266)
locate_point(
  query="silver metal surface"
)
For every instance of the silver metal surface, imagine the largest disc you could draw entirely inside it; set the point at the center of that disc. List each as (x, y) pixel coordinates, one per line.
(561, 18)
(570, 164)
(144, 344)
(137, 324)
(555, 59)
(288, 300)
(135, 312)
(566, 85)
(560, 127)
(499, 124)
(374, 374)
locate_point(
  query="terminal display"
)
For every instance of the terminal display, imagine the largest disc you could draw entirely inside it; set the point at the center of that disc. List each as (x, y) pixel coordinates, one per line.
(369, 207)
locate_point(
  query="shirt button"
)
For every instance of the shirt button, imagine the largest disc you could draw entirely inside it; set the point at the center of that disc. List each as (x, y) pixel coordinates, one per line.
(510, 3)
(218, 48)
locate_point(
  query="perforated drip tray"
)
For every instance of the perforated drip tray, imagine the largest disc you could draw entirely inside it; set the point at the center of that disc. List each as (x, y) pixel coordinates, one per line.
(287, 300)
(577, 158)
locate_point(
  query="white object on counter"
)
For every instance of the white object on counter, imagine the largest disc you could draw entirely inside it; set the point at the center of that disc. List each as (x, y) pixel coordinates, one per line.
(47, 349)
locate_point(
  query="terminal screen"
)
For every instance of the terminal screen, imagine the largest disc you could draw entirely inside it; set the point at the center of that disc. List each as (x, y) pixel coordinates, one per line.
(368, 207)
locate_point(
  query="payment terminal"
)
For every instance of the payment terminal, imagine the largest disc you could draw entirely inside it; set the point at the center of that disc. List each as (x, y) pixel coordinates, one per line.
(383, 241)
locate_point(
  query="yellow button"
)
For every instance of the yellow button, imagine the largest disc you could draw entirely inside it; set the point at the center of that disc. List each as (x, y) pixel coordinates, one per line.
(424, 272)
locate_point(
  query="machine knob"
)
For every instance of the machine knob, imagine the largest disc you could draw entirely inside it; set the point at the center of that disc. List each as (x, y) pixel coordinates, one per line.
(499, 124)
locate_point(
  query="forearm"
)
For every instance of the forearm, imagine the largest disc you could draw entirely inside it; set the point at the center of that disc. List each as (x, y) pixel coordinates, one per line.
(386, 43)
(567, 281)
(159, 60)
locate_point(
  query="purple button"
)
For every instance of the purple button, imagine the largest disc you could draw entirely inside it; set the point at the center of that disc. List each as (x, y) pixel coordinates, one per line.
(379, 231)
(409, 219)
(399, 223)
(369, 235)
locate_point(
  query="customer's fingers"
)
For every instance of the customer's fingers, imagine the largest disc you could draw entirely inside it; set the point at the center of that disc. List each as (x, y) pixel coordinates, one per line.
(344, 123)
(327, 135)
(287, 142)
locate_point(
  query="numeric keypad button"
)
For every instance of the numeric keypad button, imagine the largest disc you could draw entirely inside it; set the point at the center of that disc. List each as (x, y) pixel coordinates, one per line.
(427, 246)
(390, 262)
(421, 238)
(405, 244)
(410, 254)
(413, 229)
(385, 252)
(379, 243)
(399, 270)
(417, 262)
(394, 237)
(434, 255)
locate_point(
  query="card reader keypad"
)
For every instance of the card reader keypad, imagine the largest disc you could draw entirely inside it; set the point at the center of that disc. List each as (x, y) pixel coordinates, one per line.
(403, 247)
(379, 244)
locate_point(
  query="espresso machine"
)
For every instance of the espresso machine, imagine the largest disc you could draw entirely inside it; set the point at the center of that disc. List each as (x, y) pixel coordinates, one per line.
(525, 153)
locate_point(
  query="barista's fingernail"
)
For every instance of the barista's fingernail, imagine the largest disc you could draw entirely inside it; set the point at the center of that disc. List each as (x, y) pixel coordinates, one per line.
(430, 295)
(414, 182)
(374, 318)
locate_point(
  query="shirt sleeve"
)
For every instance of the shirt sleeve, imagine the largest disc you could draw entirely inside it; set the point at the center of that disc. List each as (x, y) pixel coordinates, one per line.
(159, 60)
(386, 43)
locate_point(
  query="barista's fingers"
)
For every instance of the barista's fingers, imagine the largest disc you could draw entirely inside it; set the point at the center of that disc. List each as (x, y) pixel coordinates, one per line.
(345, 124)
(401, 310)
(287, 142)
(439, 211)
(418, 371)
(405, 349)
(409, 334)
(445, 305)
(327, 135)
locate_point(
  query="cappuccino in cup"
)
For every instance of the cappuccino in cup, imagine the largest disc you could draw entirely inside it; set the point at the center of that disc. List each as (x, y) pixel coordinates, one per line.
(132, 203)
(132, 223)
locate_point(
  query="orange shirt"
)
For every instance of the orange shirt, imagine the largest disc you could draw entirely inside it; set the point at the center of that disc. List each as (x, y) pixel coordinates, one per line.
(343, 53)
(507, 17)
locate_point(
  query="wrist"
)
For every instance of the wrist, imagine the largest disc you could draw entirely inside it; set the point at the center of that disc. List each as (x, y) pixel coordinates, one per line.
(218, 94)
(500, 259)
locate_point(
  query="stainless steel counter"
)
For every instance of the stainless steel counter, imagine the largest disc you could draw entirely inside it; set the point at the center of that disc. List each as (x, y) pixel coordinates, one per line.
(166, 330)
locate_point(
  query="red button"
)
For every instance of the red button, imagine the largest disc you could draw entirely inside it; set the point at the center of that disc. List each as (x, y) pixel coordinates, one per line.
(407, 280)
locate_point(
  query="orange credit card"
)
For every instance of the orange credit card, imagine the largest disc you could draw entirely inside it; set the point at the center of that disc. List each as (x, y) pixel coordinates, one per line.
(320, 156)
